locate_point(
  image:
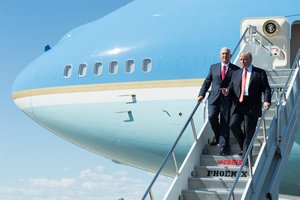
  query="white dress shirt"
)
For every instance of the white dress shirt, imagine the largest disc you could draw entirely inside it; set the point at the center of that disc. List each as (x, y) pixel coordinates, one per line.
(249, 72)
(222, 64)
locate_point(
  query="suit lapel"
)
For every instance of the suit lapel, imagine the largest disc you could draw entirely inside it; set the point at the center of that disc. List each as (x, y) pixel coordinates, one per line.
(229, 70)
(239, 81)
(219, 72)
(253, 74)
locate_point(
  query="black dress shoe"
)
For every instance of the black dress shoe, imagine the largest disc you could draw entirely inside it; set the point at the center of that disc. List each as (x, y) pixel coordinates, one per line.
(222, 153)
(214, 142)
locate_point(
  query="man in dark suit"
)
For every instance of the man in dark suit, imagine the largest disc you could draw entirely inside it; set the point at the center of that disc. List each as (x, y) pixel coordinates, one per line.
(247, 85)
(219, 77)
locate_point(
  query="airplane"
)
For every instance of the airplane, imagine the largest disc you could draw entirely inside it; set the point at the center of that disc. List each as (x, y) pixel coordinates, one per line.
(124, 85)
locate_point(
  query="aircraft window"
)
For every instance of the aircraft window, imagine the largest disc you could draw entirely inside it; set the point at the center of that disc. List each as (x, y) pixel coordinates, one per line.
(68, 71)
(129, 66)
(98, 68)
(113, 67)
(147, 65)
(82, 69)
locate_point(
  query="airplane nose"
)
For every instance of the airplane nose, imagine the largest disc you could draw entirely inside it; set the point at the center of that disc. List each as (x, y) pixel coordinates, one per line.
(21, 91)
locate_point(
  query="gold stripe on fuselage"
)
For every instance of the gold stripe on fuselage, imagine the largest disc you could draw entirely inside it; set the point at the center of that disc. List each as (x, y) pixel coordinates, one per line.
(109, 86)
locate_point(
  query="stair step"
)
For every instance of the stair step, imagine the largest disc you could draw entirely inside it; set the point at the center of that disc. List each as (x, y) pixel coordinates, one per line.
(283, 77)
(232, 139)
(280, 80)
(259, 140)
(215, 183)
(271, 112)
(273, 101)
(218, 171)
(260, 131)
(268, 120)
(277, 85)
(278, 72)
(209, 194)
(234, 149)
(215, 160)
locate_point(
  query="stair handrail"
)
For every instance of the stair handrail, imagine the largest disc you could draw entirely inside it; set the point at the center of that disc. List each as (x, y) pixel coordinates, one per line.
(238, 44)
(171, 152)
(280, 101)
(247, 154)
(251, 30)
(260, 34)
(294, 66)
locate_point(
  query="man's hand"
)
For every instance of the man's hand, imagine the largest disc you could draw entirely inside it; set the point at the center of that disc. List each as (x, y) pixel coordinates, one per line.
(225, 91)
(200, 98)
(266, 105)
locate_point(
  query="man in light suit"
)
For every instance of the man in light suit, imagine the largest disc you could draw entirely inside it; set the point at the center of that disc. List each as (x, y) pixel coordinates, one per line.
(247, 99)
(219, 77)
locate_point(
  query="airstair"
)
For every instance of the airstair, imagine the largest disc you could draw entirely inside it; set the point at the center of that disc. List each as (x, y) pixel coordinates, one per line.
(204, 174)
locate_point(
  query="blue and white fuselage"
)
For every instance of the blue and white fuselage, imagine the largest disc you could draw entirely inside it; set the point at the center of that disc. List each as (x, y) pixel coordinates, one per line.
(124, 85)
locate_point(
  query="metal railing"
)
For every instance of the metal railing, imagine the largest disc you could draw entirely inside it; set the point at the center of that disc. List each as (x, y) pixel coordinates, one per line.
(238, 44)
(252, 30)
(171, 152)
(294, 66)
(283, 99)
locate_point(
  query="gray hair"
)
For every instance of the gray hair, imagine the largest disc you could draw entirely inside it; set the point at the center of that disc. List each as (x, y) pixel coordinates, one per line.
(225, 48)
(246, 53)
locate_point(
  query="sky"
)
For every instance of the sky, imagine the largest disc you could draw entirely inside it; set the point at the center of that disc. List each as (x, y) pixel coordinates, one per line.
(34, 163)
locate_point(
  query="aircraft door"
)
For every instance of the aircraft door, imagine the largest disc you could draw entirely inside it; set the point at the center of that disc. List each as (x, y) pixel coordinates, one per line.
(273, 39)
(295, 40)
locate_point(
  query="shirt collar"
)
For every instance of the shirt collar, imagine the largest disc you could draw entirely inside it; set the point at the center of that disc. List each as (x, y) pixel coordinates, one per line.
(226, 64)
(249, 69)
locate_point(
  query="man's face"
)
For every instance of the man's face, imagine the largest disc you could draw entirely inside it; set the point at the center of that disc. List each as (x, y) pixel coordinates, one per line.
(245, 61)
(225, 55)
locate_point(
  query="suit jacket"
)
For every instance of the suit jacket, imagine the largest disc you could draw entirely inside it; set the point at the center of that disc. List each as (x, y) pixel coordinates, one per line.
(214, 79)
(258, 84)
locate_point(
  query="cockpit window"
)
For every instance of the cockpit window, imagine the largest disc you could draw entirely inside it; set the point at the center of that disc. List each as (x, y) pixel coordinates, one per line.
(82, 69)
(113, 67)
(129, 68)
(98, 66)
(147, 65)
(68, 71)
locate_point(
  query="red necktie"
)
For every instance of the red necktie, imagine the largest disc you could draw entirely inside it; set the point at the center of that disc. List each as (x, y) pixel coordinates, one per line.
(244, 77)
(223, 72)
